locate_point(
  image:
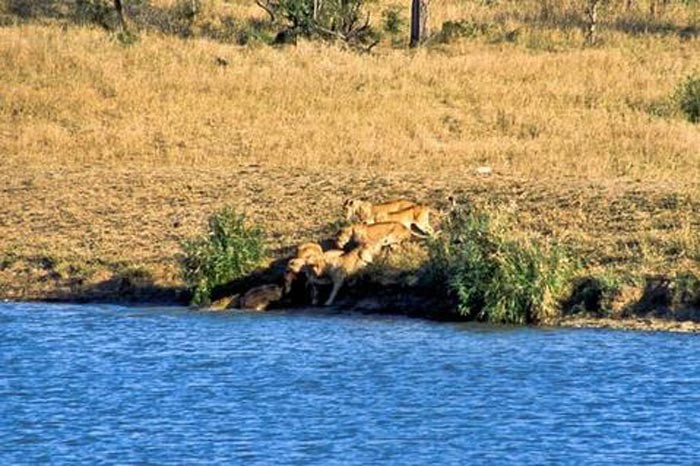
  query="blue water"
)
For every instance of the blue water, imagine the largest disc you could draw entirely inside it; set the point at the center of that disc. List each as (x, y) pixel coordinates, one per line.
(108, 384)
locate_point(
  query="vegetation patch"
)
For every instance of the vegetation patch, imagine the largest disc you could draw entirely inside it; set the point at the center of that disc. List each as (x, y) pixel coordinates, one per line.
(495, 275)
(687, 289)
(230, 249)
(345, 20)
(595, 295)
(8, 259)
(464, 28)
(688, 96)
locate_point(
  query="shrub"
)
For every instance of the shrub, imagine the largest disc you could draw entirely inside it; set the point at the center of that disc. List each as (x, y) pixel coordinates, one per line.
(452, 30)
(27, 9)
(8, 259)
(595, 294)
(254, 31)
(688, 95)
(127, 38)
(329, 20)
(495, 275)
(98, 12)
(394, 22)
(230, 250)
(686, 289)
(188, 16)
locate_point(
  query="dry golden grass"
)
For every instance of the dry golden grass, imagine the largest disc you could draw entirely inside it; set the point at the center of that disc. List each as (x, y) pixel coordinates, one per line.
(112, 154)
(76, 97)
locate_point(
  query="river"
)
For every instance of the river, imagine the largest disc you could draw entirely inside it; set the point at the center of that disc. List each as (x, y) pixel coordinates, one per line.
(97, 384)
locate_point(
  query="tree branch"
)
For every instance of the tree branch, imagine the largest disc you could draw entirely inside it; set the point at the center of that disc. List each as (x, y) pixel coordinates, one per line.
(267, 9)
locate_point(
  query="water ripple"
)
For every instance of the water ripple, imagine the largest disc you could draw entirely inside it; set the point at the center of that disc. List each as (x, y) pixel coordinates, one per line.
(110, 384)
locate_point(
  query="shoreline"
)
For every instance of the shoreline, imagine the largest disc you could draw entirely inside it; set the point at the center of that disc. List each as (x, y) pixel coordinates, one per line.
(373, 305)
(632, 324)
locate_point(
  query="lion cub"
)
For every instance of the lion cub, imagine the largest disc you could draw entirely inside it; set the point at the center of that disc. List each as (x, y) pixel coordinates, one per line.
(337, 268)
(366, 212)
(383, 234)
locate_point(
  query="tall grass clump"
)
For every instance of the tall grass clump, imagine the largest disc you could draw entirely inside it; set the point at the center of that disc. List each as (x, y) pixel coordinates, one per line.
(688, 95)
(496, 275)
(228, 251)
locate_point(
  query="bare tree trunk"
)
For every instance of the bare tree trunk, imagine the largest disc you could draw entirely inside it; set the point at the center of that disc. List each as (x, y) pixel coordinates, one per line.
(419, 22)
(120, 14)
(424, 15)
(592, 19)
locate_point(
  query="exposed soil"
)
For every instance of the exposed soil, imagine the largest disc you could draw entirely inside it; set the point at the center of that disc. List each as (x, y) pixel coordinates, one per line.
(103, 234)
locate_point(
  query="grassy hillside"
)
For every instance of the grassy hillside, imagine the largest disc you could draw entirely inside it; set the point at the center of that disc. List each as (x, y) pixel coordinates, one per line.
(111, 154)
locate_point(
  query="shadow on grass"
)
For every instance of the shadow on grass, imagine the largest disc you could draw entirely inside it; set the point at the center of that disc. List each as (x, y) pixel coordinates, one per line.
(632, 24)
(127, 287)
(674, 298)
(272, 274)
(180, 19)
(638, 26)
(665, 298)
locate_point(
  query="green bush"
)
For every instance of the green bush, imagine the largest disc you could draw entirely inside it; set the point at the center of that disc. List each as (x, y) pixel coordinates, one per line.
(343, 20)
(228, 251)
(688, 95)
(254, 31)
(595, 294)
(495, 275)
(98, 12)
(686, 289)
(186, 17)
(127, 38)
(452, 30)
(394, 22)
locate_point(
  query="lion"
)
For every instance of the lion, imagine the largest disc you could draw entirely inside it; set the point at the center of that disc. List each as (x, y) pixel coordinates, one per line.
(337, 268)
(306, 254)
(417, 216)
(366, 212)
(308, 250)
(260, 297)
(383, 233)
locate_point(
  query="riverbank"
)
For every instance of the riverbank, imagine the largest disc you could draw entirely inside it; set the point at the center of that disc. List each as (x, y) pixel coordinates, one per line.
(113, 155)
(639, 324)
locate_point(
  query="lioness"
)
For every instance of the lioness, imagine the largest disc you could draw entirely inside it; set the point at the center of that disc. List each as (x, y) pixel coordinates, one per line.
(366, 212)
(417, 215)
(299, 265)
(383, 233)
(336, 269)
(305, 252)
(308, 250)
(260, 297)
